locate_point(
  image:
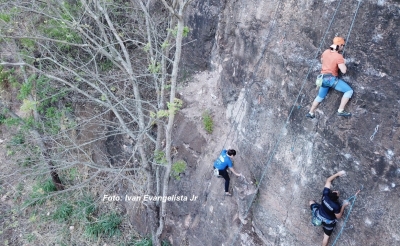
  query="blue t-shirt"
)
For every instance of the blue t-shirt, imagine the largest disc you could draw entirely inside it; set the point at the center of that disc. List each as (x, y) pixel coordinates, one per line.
(328, 207)
(223, 161)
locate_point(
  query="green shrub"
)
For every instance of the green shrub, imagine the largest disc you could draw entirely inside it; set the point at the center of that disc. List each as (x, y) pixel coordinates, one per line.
(107, 225)
(159, 157)
(144, 242)
(40, 192)
(174, 31)
(2, 118)
(208, 122)
(17, 139)
(177, 168)
(7, 78)
(85, 208)
(63, 212)
(5, 17)
(27, 161)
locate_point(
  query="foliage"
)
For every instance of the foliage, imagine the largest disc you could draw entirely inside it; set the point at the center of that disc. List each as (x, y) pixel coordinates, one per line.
(208, 122)
(107, 225)
(146, 47)
(144, 242)
(27, 105)
(40, 192)
(7, 77)
(175, 106)
(85, 207)
(174, 31)
(18, 139)
(27, 43)
(147, 242)
(59, 30)
(27, 161)
(63, 212)
(5, 17)
(2, 118)
(178, 168)
(74, 59)
(106, 65)
(172, 109)
(154, 67)
(159, 157)
(165, 45)
(78, 211)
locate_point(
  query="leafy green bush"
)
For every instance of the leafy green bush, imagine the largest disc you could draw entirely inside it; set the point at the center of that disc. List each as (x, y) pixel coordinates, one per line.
(208, 122)
(177, 168)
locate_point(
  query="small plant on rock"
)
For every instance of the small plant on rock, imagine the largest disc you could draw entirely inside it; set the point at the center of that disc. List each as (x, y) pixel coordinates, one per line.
(178, 168)
(208, 122)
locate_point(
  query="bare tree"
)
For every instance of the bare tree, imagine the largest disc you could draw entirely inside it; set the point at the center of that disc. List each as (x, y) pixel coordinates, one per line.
(110, 68)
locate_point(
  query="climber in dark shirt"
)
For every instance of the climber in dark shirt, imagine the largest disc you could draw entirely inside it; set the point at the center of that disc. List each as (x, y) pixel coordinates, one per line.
(330, 209)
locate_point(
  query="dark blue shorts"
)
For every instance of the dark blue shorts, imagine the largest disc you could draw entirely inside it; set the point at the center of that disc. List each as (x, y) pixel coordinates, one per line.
(327, 225)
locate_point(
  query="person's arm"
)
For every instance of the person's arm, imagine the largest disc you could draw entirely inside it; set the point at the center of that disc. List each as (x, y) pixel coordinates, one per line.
(342, 68)
(331, 178)
(340, 214)
(233, 170)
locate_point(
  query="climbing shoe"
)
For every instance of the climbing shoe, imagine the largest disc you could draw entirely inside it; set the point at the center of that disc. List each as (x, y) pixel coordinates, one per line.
(311, 116)
(344, 113)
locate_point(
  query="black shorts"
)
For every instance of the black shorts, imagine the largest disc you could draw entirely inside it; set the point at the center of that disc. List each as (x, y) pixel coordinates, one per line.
(327, 227)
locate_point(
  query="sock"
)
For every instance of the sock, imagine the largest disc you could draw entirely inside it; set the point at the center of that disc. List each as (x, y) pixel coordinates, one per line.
(340, 110)
(311, 113)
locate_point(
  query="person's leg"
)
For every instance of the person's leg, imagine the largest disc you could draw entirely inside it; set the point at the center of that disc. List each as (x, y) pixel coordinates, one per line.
(328, 229)
(342, 86)
(321, 95)
(343, 103)
(325, 240)
(314, 105)
(224, 173)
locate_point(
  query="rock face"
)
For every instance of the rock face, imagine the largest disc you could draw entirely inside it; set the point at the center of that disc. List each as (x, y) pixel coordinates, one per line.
(265, 57)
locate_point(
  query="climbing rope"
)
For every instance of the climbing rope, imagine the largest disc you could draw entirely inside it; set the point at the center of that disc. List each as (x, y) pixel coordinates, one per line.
(348, 214)
(273, 22)
(351, 26)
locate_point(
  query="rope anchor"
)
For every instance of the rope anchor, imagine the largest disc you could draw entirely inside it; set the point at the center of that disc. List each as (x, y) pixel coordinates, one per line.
(373, 135)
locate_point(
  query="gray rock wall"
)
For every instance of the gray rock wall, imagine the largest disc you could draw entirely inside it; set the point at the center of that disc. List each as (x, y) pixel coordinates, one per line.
(268, 54)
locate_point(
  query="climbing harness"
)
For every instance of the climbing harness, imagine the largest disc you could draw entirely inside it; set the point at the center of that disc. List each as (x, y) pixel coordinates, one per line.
(373, 135)
(216, 172)
(348, 213)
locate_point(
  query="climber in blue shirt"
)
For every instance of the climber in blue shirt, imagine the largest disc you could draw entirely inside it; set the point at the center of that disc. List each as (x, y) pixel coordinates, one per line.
(222, 163)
